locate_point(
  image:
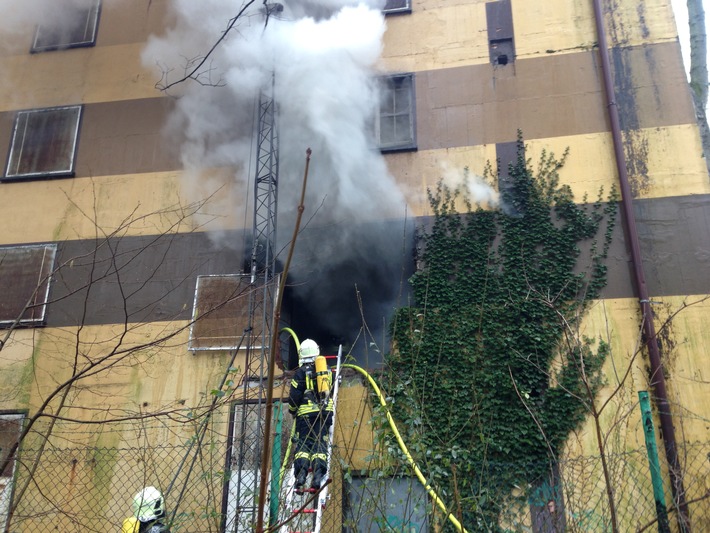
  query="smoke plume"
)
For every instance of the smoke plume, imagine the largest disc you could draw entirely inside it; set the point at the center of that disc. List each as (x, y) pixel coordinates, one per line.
(323, 59)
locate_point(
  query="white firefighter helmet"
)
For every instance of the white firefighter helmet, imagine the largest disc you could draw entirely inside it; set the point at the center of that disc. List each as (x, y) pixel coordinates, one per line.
(308, 352)
(148, 505)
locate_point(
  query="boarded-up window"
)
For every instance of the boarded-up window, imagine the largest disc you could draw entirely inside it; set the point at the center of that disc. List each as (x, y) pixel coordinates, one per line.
(396, 121)
(398, 6)
(10, 427)
(499, 18)
(44, 143)
(74, 26)
(221, 311)
(25, 273)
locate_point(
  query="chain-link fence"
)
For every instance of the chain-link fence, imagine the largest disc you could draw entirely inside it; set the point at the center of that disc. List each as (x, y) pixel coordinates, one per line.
(87, 489)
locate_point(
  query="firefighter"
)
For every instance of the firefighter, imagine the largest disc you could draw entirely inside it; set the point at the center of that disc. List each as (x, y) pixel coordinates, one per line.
(313, 410)
(148, 510)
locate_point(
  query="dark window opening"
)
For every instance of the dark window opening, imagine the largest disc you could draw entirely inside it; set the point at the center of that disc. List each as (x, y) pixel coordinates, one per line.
(25, 273)
(44, 143)
(395, 128)
(397, 6)
(75, 28)
(501, 51)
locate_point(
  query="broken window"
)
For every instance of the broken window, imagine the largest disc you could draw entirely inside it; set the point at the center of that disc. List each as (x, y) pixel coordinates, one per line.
(397, 6)
(75, 26)
(221, 311)
(25, 273)
(10, 428)
(499, 18)
(395, 127)
(44, 143)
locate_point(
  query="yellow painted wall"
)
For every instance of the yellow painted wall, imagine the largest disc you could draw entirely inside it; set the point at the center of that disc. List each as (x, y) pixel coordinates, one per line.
(55, 210)
(142, 368)
(590, 165)
(89, 75)
(452, 34)
(130, 205)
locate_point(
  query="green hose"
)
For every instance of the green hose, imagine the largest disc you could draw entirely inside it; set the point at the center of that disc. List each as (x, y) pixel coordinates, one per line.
(404, 449)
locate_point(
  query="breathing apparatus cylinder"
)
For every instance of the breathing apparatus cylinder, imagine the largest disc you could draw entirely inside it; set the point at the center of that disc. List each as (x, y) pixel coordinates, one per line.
(323, 376)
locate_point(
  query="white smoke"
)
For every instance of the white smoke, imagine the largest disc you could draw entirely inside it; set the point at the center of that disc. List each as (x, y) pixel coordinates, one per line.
(16, 17)
(474, 187)
(324, 59)
(324, 72)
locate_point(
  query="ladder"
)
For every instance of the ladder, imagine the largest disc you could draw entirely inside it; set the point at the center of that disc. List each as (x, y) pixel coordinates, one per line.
(309, 519)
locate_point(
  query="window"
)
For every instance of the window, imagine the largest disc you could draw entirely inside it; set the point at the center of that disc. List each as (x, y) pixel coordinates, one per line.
(75, 27)
(499, 18)
(244, 460)
(395, 128)
(10, 427)
(397, 6)
(25, 272)
(385, 504)
(44, 143)
(221, 311)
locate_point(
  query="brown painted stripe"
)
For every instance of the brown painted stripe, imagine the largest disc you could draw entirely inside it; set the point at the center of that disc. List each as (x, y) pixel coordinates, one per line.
(159, 272)
(124, 137)
(551, 96)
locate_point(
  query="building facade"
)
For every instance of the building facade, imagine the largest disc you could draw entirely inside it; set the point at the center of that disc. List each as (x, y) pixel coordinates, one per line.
(126, 215)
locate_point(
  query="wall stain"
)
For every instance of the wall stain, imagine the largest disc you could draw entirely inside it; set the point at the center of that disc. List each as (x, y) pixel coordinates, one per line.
(636, 150)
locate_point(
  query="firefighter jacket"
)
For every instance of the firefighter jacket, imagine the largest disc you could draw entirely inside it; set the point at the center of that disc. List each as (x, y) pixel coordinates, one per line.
(304, 398)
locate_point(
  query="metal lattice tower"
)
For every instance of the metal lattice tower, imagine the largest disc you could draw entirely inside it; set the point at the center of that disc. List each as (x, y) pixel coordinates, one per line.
(249, 428)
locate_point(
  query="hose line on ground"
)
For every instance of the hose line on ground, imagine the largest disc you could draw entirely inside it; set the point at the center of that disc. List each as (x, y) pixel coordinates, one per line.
(404, 449)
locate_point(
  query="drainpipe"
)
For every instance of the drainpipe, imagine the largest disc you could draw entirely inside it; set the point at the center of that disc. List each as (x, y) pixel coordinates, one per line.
(658, 381)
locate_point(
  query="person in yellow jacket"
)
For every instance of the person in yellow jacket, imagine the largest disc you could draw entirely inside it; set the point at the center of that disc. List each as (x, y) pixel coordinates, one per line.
(313, 411)
(130, 525)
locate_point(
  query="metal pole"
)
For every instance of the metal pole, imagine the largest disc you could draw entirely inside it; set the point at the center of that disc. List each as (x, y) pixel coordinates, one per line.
(276, 469)
(658, 380)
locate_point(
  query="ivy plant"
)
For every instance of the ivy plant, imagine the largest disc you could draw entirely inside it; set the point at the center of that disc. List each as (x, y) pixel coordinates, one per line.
(481, 377)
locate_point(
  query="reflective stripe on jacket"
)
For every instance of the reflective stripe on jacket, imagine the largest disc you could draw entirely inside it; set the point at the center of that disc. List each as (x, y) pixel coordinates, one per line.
(303, 396)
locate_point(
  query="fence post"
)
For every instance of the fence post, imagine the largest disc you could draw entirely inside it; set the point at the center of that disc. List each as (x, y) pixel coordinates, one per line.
(652, 449)
(276, 469)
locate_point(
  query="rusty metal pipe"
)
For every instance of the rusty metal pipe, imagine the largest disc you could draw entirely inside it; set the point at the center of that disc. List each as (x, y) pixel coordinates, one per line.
(658, 380)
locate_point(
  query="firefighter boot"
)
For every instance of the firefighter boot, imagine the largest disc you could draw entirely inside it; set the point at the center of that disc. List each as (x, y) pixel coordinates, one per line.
(320, 468)
(300, 471)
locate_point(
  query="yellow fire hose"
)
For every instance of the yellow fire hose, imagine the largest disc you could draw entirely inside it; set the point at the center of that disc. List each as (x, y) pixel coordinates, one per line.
(404, 449)
(397, 435)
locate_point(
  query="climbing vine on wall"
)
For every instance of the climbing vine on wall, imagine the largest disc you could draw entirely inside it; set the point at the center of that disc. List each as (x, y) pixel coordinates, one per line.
(479, 374)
